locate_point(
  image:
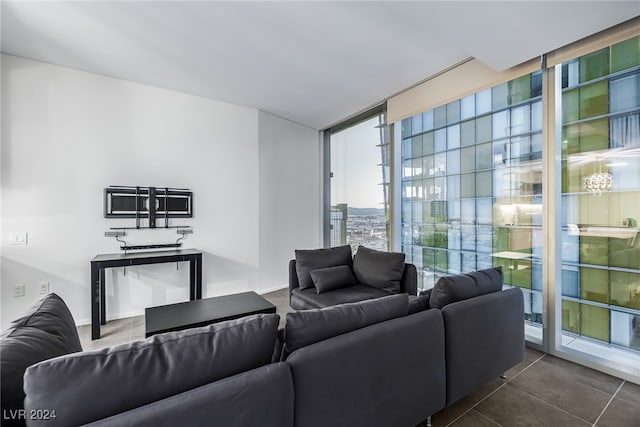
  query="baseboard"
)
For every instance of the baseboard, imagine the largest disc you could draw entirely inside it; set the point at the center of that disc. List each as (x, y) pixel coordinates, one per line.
(272, 289)
(81, 322)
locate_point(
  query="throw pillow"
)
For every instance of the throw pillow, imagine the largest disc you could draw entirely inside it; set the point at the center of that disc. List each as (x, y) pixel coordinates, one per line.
(450, 289)
(327, 279)
(47, 330)
(379, 269)
(309, 260)
(306, 327)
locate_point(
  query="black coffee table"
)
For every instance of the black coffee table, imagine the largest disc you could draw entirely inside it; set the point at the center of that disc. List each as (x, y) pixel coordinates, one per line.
(202, 312)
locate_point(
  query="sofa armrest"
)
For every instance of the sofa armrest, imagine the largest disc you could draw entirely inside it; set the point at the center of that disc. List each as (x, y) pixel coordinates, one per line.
(409, 280)
(484, 337)
(293, 277)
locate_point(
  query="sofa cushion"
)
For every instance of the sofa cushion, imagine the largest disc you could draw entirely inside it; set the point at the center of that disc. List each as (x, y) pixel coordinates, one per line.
(330, 278)
(382, 270)
(261, 397)
(47, 330)
(418, 303)
(309, 298)
(131, 375)
(450, 289)
(309, 260)
(309, 326)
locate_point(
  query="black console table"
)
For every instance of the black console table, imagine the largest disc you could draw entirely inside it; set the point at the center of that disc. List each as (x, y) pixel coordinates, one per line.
(100, 262)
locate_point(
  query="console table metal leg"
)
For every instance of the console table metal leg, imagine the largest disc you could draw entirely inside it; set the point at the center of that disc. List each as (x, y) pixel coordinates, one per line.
(199, 277)
(103, 299)
(192, 278)
(95, 302)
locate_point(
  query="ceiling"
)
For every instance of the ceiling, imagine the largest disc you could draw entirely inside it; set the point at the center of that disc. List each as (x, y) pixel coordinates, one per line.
(315, 63)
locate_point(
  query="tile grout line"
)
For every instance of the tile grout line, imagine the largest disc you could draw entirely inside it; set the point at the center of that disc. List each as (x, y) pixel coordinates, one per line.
(555, 407)
(608, 403)
(494, 391)
(493, 421)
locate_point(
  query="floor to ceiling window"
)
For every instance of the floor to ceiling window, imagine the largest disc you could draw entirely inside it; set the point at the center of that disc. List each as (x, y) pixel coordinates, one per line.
(472, 187)
(359, 164)
(600, 196)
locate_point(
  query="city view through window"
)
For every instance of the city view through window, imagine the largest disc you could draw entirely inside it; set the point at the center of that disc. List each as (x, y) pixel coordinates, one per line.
(359, 186)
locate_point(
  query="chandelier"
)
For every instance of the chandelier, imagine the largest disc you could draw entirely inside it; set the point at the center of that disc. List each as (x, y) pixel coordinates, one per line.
(599, 181)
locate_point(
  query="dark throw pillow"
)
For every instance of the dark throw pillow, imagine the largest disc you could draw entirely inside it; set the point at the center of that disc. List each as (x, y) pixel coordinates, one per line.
(379, 269)
(47, 330)
(450, 289)
(327, 279)
(306, 327)
(314, 259)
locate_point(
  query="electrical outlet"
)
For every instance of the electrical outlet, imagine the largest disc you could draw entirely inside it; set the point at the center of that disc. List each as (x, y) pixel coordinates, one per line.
(44, 287)
(18, 290)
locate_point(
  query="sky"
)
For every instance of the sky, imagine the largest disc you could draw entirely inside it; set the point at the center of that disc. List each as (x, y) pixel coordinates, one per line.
(354, 163)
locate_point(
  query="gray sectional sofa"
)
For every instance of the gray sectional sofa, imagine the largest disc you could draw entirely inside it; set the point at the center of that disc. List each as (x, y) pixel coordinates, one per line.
(390, 361)
(324, 277)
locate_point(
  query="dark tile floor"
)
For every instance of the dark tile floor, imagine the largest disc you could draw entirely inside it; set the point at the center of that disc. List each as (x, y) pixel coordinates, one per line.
(543, 390)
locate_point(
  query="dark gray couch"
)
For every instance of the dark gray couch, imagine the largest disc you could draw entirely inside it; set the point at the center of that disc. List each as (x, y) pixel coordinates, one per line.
(374, 274)
(391, 361)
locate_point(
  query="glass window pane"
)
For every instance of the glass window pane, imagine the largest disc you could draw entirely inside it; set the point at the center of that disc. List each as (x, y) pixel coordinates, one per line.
(625, 289)
(468, 185)
(484, 184)
(500, 128)
(570, 282)
(594, 99)
(571, 316)
(500, 96)
(440, 163)
(595, 322)
(468, 133)
(594, 65)
(416, 146)
(519, 89)
(625, 54)
(594, 135)
(484, 156)
(536, 116)
(483, 129)
(483, 102)
(416, 123)
(453, 137)
(427, 120)
(468, 261)
(453, 187)
(427, 143)
(453, 112)
(594, 284)
(440, 140)
(467, 159)
(468, 107)
(520, 120)
(454, 262)
(440, 116)
(406, 128)
(453, 162)
(625, 93)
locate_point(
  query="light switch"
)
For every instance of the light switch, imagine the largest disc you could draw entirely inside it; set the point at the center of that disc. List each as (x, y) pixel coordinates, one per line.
(18, 238)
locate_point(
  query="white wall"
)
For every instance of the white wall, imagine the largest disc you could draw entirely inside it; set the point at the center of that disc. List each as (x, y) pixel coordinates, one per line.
(290, 201)
(68, 134)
